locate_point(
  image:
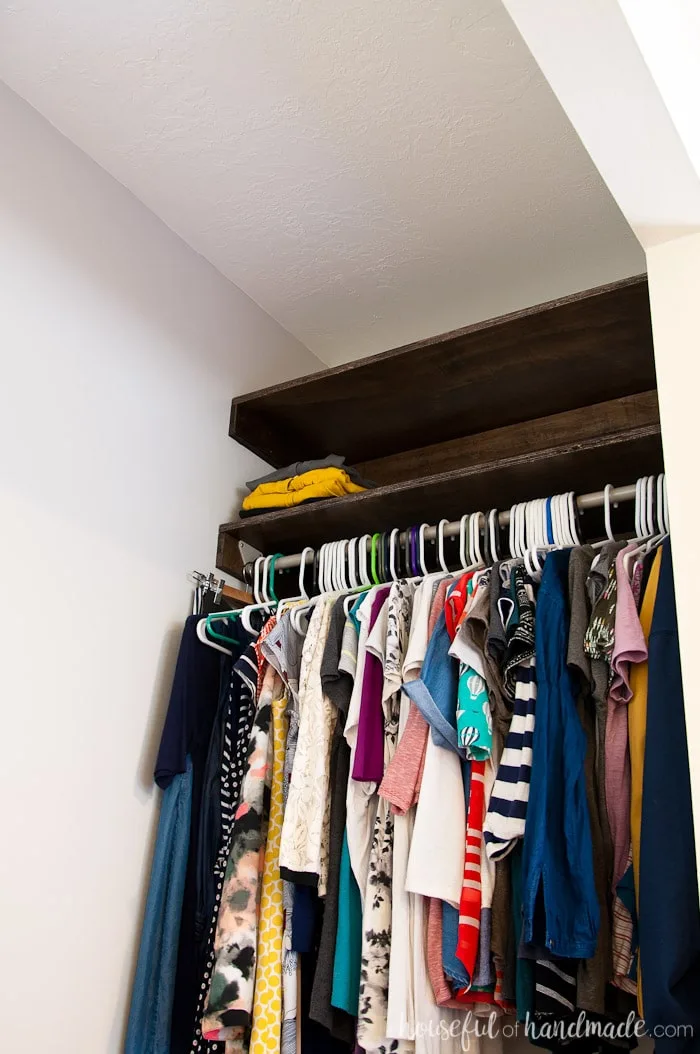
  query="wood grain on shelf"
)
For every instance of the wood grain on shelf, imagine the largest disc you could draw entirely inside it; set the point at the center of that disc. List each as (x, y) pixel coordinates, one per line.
(583, 349)
(608, 418)
(241, 596)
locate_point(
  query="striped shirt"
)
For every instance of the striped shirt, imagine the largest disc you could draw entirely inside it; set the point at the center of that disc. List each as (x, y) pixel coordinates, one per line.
(555, 986)
(505, 819)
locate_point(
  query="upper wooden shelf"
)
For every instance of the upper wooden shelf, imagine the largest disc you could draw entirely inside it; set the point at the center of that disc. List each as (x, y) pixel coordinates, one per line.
(583, 349)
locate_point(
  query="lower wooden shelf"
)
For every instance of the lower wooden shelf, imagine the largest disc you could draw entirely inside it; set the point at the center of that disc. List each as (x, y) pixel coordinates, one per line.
(582, 466)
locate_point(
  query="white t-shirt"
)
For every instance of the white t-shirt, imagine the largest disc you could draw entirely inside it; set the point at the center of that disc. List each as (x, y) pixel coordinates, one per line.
(436, 861)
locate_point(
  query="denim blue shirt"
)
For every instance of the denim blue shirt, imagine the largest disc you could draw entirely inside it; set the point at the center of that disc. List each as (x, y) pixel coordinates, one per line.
(435, 692)
(557, 848)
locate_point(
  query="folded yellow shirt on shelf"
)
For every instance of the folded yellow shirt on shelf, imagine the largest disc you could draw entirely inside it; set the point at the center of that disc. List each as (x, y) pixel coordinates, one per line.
(285, 493)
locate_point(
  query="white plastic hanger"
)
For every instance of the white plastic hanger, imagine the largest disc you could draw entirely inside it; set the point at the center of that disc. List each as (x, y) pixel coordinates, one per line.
(475, 539)
(340, 579)
(300, 608)
(556, 522)
(463, 527)
(660, 521)
(532, 536)
(202, 634)
(543, 536)
(246, 613)
(441, 545)
(327, 553)
(290, 602)
(563, 515)
(295, 615)
(257, 595)
(642, 512)
(646, 511)
(520, 536)
(421, 548)
(333, 566)
(558, 519)
(522, 529)
(267, 603)
(352, 563)
(511, 533)
(344, 576)
(567, 514)
(651, 490)
(638, 507)
(643, 522)
(607, 511)
(365, 579)
(656, 518)
(357, 579)
(541, 542)
(260, 594)
(557, 539)
(573, 527)
(554, 514)
(321, 567)
(265, 578)
(346, 564)
(328, 567)
(393, 540)
(662, 504)
(493, 535)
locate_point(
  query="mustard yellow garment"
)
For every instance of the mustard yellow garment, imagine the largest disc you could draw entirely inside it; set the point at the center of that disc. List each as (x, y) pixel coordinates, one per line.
(285, 493)
(637, 725)
(267, 1007)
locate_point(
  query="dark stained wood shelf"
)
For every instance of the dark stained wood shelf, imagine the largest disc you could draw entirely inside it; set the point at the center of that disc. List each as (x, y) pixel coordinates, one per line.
(551, 358)
(587, 422)
(584, 465)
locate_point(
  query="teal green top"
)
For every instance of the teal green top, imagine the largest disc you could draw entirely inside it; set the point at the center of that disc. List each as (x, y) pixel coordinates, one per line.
(348, 940)
(474, 730)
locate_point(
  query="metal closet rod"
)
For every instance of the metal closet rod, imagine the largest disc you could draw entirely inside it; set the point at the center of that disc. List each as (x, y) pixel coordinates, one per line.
(583, 501)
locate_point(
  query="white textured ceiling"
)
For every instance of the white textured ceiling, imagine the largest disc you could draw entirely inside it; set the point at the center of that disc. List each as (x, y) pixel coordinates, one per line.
(369, 171)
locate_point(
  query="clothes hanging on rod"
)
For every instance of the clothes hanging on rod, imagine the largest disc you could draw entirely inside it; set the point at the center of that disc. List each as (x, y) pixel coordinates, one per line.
(439, 799)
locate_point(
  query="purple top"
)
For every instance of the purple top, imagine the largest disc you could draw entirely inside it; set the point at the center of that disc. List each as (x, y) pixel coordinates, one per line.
(369, 752)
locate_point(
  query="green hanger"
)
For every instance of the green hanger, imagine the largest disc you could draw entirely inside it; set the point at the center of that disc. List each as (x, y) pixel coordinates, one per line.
(271, 577)
(375, 538)
(219, 615)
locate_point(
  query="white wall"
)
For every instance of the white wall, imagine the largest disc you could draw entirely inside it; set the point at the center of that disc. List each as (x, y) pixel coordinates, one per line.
(674, 280)
(120, 349)
(607, 84)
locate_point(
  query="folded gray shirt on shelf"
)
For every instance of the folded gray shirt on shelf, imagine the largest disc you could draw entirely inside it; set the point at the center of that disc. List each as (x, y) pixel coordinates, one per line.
(299, 467)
